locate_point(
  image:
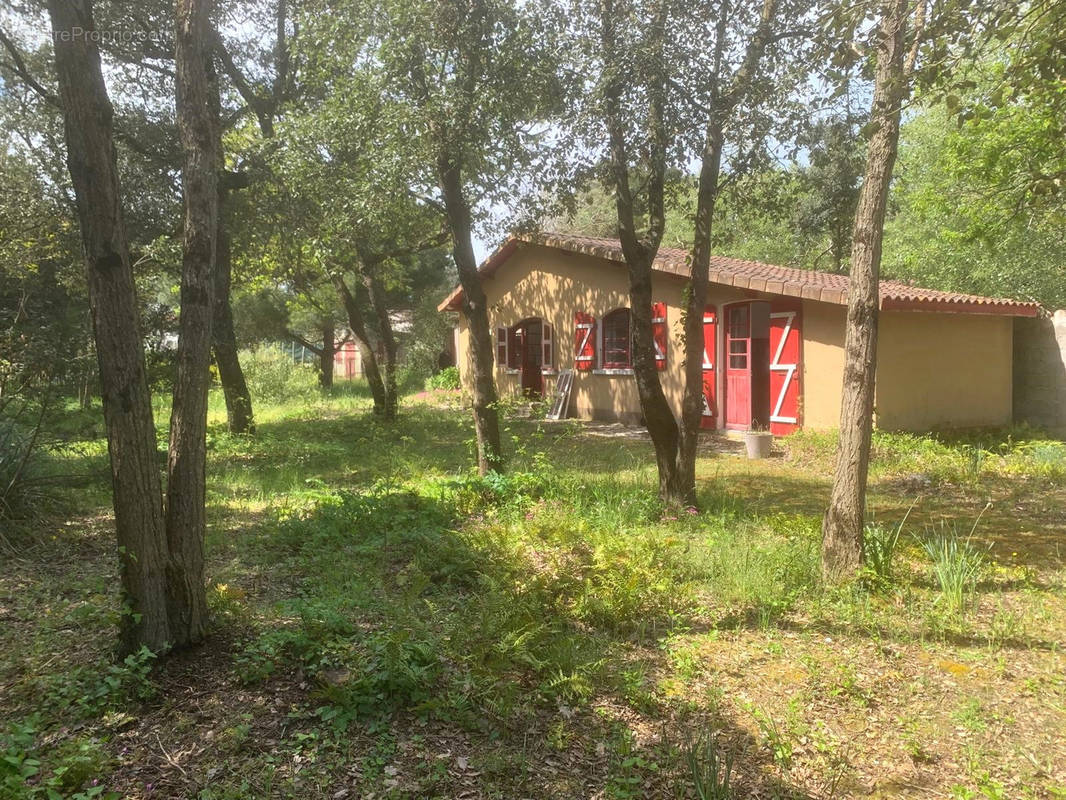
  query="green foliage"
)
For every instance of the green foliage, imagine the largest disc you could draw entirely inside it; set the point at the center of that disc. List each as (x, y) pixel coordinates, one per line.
(825, 209)
(69, 770)
(777, 740)
(273, 376)
(710, 771)
(447, 378)
(958, 195)
(879, 549)
(761, 568)
(430, 330)
(392, 669)
(375, 584)
(21, 493)
(965, 458)
(956, 565)
(91, 690)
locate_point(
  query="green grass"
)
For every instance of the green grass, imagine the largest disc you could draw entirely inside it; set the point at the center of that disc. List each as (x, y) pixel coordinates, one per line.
(386, 621)
(964, 458)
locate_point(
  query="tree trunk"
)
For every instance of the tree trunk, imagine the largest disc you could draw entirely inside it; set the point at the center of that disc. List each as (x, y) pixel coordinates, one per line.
(231, 376)
(135, 480)
(197, 99)
(722, 106)
(640, 251)
(325, 356)
(388, 341)
(692, 399)
(366, 347)
(842, 526)
(659, 419)
(475, 309)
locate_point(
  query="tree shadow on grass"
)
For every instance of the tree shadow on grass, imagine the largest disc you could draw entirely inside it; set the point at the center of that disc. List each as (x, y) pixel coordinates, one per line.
(456, 625)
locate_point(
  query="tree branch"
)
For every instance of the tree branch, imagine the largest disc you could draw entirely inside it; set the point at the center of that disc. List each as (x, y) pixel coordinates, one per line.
(18, 66)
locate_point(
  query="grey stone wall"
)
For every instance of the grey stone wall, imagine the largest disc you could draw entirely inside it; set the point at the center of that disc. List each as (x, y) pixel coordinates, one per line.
(1040, 371)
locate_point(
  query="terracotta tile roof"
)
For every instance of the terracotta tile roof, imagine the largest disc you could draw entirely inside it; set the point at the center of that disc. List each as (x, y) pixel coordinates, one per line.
(826, 287)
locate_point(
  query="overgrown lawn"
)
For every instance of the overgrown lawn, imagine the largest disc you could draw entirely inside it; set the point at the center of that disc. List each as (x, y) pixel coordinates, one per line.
(387, 624)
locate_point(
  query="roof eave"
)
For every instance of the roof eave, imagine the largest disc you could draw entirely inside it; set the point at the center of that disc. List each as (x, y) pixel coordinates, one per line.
(1001, 308)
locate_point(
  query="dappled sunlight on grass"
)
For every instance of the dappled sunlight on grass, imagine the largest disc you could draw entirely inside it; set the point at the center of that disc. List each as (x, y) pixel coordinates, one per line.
(377, 604)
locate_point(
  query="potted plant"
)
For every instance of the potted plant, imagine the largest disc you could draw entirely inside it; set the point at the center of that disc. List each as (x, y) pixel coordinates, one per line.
(758, 442)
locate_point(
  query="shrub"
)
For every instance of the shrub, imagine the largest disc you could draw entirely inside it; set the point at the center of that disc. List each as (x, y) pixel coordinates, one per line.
(272, 375)
(20, 453)
(447, 378)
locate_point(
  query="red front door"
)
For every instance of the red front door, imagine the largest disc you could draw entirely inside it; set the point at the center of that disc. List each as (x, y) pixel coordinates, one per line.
(709, 419)
(529, 338)
(738, 366)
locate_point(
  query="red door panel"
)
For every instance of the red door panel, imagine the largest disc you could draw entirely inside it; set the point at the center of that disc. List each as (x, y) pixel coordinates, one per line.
(785, 366)
(738, 366)
(710, 376)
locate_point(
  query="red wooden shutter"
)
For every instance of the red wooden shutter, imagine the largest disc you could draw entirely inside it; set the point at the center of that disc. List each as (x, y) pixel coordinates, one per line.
(710, 376)
(785, 366)
(658, 333)
(546, 343)
(501, 347)
(584, 340)
(514, 349)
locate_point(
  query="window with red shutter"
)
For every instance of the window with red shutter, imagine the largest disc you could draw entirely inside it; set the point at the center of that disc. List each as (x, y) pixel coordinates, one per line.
(658, 333)
(547, 361)
(584, 340)
(616, 353)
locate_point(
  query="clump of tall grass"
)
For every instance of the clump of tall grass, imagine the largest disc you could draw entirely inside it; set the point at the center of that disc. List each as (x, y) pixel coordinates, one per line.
(709, 770)
(956, 563)
(879, 546)
(760, 566)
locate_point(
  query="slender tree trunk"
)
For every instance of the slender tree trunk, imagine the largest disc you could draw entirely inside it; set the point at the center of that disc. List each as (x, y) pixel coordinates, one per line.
(388, 341)
(842, 527)
(366, 346)
(722, 107)
(197, 98)
(640, 251)
(135, 480)
(692, 399)
(231, 376)
(659, 419)
(475, 308)
(325, 355)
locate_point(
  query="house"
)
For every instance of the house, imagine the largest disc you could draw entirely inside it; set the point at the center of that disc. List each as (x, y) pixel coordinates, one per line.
(774, 339)
(348, 358)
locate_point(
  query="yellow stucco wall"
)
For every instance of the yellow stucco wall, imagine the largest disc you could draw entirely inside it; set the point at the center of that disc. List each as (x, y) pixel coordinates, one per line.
(822, 329)
(943, 370)
(934, 369)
